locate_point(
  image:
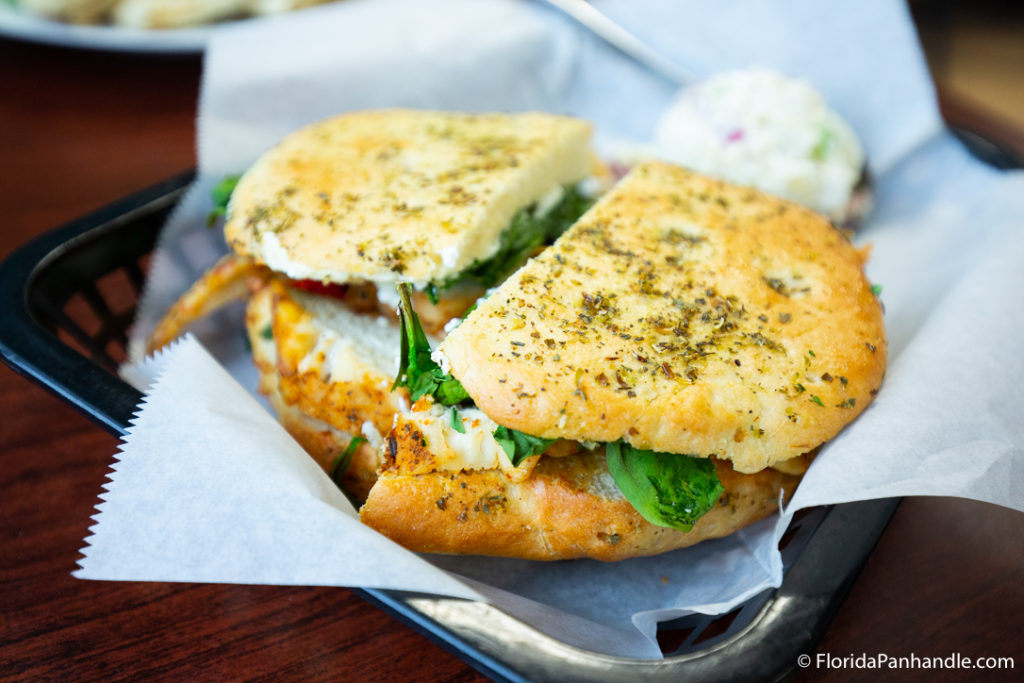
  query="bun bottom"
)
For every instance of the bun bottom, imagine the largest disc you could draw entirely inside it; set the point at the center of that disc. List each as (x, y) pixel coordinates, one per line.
(567, 508)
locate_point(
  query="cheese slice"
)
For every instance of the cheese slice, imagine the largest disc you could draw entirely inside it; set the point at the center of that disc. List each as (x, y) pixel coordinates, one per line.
(446, 449)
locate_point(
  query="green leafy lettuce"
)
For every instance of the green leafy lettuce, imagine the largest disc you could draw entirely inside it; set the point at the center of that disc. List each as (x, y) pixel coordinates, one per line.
(526, 233)
(457, 422)
(518, 446)
(341, 463)
(666, 489)
(221, 195)
(417, 371)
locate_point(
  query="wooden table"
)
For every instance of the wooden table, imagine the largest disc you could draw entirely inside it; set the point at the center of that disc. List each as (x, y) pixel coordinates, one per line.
(78, 130)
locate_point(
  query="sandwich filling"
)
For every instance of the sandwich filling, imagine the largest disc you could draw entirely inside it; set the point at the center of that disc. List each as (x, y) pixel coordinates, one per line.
(435, 478)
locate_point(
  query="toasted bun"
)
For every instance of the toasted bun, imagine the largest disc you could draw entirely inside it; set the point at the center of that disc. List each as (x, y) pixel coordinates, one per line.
(684, 315)
(568, 507)
(399, 194)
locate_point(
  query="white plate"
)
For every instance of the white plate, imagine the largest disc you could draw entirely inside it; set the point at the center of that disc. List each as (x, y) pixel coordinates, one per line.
(16, 24)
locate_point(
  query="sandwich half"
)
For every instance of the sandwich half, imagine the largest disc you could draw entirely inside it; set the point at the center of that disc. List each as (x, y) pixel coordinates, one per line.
(325, 224)
(661, 375)
(404, 195)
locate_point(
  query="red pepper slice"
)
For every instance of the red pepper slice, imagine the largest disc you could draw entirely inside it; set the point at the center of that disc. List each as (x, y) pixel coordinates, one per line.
(324, 288)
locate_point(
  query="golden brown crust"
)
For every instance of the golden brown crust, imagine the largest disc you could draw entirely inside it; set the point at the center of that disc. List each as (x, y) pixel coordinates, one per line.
(344, 404)
(567, 508)
(399, 194)
(683, 315)
(321, 413)
(224, 282)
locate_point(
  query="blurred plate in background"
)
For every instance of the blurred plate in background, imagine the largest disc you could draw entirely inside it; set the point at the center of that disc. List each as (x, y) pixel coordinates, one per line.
(22, 26)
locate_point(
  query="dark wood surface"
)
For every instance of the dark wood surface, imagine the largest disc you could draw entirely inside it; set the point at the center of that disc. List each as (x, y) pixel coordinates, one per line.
(78, 130)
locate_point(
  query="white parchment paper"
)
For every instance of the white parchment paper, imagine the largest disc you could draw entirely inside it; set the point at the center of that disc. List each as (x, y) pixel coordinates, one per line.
(207, 487)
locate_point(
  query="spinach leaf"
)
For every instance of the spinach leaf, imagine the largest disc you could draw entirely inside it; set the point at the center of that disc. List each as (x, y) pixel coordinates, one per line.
(666, 489)
(519, 446)
(341, 463)
(417, 371)
(221, 194)
(526, 233)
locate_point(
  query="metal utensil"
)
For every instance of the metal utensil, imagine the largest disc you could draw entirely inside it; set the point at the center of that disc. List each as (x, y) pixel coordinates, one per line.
(624, 41)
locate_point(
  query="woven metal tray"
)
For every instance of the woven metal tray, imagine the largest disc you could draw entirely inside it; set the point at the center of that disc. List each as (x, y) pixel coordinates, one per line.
(71, 295)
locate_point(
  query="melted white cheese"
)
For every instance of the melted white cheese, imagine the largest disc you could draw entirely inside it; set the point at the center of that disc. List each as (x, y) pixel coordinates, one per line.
(476, 449)
(351, 345)
(372, 435)
(449, 256)
(388, 295)
(549, 201)
(437, 355)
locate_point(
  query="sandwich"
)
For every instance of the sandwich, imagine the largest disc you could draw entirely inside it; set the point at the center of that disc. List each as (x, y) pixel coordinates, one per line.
(662, 374)
(323, 226)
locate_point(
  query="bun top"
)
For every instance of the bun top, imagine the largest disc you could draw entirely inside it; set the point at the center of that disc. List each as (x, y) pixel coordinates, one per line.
(399, 194)
(683, 315)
